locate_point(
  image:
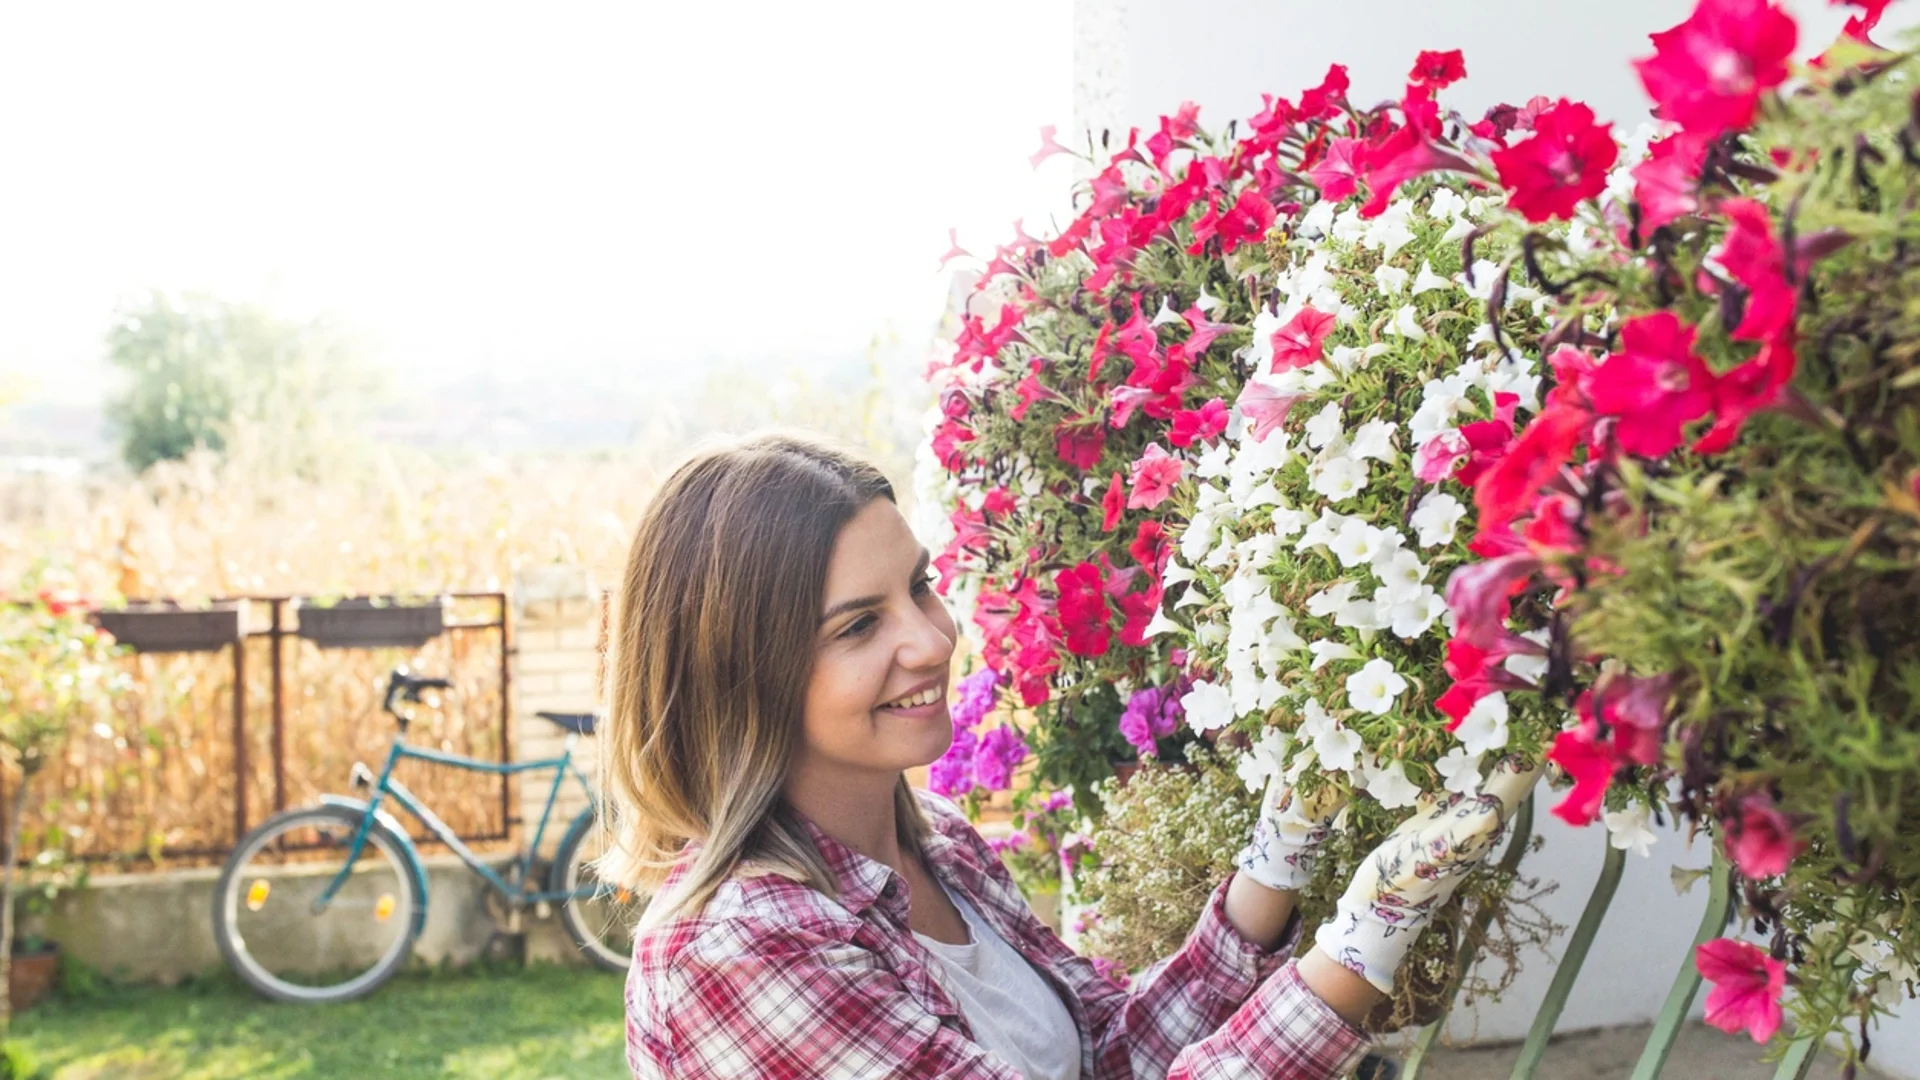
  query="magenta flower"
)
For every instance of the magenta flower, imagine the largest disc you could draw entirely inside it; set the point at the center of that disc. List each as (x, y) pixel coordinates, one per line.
(1562, 165)
(1761, 842)
(1707, 73)
(953, 774)
(1667, 183)
(994, 760)
(1154, 476)
(1590, 763)
(1203, 424)
(1303, 340)
(1747, 984)
(974, 699)
(1656, 385)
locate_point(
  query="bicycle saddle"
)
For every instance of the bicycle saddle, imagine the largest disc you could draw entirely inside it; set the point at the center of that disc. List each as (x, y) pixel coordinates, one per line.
(574, 723)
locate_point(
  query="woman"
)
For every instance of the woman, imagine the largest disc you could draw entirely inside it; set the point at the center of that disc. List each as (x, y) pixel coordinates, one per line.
(782, 661)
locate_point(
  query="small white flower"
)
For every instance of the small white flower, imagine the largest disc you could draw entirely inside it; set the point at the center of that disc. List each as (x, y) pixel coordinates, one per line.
(1322, 531)
(1426, 280)
(1484, 275)
(1375, 440)
(1373, 688)
(1460, 771)
(1359, 614)
(1265, 759)
(1325, 652)
(1402, 575)
(1330, 599)
(1406, 323)
(1457, 231)
(1446, 203)
(1391, 788)
(1318, 218)
(1326, 426)
(1160, 624)
(1390, 279)
(1339, 748)
(1629, 830)
(1526, 666)
(1209, 707)
(1359, 544)
(1339, 479)
(1436, 518)
(1314, 720)
(1484, 727)
(1166, 314)
(1214, 461)
(1206, 303)
(1348, 227)
(1287, 521)
(1410, 618)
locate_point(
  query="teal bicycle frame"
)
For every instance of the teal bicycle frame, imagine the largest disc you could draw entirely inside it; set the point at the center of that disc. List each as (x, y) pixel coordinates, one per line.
(386, 786)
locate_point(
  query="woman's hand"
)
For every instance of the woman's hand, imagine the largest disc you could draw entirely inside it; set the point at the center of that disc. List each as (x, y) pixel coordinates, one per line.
(1287, 837)
(1414, 872)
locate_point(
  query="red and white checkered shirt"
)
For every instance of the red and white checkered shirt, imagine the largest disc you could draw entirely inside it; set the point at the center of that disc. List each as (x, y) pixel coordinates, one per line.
(774, 980)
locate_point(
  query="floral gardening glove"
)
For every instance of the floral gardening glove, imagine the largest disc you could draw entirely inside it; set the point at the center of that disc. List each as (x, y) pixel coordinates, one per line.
(1413, 873)
(1287, 837)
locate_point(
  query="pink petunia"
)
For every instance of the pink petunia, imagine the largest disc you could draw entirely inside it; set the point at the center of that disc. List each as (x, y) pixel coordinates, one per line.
(1747, 984)
(1203, 424)
(1113, 504)
(1302, 340)
(1590, 763)
(1752, 254)
(1438, 69)
(1153, 478)
(1667, 183)
(1707, 73)
(1265, 408)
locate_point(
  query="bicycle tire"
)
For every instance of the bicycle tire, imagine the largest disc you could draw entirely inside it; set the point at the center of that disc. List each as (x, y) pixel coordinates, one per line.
(588, 929)
(226, 905)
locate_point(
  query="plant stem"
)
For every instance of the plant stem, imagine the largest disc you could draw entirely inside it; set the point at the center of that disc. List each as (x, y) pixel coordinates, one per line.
(1470, 943)
(1799, 1059)
(1570, 962)
(1687, 983)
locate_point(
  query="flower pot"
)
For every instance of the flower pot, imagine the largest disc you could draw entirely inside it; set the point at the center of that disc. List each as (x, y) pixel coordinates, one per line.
(367, 622)
(33, 975)
(166, 627)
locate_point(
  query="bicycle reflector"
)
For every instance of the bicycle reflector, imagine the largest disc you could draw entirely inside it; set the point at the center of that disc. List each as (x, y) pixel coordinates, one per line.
(383, 908)
(257, 894)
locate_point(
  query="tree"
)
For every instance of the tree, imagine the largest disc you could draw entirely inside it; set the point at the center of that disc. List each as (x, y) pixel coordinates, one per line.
(197, 365)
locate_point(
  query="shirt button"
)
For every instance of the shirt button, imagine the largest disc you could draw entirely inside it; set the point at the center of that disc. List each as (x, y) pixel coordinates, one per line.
(891, 890)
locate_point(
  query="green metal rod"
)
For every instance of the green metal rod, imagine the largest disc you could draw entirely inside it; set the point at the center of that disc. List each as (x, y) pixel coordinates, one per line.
(1687, 983)
(1583, 934)
(1799, 1060)
(1470, 944)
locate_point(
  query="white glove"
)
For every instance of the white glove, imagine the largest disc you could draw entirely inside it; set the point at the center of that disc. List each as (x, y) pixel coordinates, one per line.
(1287, 837)
(1414, 872)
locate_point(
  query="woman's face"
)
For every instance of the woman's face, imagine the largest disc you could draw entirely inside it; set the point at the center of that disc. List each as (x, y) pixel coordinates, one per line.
(877, 702)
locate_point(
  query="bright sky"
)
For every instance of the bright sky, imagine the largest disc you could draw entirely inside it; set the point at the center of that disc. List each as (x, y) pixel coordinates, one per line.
(511, 187)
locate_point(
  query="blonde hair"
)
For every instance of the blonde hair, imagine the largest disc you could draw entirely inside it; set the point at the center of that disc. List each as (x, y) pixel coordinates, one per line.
(713, 644)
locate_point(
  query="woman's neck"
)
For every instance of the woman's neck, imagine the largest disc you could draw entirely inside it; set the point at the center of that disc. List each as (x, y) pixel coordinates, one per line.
(857, 811)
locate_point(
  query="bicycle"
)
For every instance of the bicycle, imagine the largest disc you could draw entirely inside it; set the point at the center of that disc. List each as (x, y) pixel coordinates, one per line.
(325, 903)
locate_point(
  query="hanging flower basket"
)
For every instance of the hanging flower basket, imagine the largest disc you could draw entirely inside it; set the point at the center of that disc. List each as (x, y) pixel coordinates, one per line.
(166, 627)
(368, 622)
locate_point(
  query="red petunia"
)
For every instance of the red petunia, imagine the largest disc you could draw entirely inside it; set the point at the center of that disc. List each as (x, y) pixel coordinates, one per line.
(1707, 73)
(1302, 340)
(1667, 183)
(1438, 69)
(1752, 387)
(1398, 158)
(1085, 620)
(1079, 442)
(1589, 762)
(1325, 99)
(1203, 424)
(1150, 546)
(1563, 164)
(1509, 488)
(1337, 174)
(1656, 385)
(1760, 840)
(1113, 504)
(1153, 478)
(1753, 255)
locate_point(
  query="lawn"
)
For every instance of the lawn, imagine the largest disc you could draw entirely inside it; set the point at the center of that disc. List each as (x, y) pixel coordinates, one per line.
(542, 1021)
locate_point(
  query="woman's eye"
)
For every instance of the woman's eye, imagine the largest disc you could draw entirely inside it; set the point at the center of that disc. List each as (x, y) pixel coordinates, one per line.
(859, 626)
(924, 584)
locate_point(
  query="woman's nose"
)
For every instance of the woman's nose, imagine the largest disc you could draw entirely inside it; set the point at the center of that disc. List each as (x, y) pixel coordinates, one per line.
(929, 641)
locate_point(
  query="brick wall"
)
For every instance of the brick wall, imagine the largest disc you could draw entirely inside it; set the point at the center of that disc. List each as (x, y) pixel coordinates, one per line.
(556, 668)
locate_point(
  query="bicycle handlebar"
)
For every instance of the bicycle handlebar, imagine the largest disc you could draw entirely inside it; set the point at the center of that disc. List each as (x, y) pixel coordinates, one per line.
(408, 688)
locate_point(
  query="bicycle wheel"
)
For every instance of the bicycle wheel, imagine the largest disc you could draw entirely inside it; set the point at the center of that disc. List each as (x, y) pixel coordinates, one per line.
(598, 916)
(287, 939)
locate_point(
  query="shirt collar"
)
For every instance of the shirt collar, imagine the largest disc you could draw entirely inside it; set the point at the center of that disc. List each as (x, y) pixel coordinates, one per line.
(864, 882)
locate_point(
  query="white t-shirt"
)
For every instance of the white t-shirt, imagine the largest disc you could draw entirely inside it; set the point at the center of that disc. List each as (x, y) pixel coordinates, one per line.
(1013, 1011)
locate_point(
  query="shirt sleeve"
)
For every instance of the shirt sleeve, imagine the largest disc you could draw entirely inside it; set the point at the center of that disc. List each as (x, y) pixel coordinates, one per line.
(774, 1004)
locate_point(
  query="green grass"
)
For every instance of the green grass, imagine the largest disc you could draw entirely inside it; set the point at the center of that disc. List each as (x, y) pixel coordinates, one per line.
(541, 1021)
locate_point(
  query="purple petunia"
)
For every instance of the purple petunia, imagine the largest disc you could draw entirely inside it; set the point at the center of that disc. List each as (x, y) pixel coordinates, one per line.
(1000, 750)
(1152, 714)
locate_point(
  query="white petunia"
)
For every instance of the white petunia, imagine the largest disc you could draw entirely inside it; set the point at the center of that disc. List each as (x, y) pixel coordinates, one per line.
(1485, 274)
(1446, 203)
(1288, 521)
(1374, 440)
(1214, 461)
(1411, 617)
(1458, 230)
(1208, 705)
(1374, 687)
(1280, 640)
(1314, 719)
(1326, 652)
(1322, 531)
(1426, 280)
(1484, 727)
(1166, 314)
(1263, 495)
(1629, 830)
(1402, 575)
(1348, 226)
(1436, 518)
(1206, 303)
(1406, 323)
(1330, 599)
(1391, 788)
(1339, 749)
(1359, 614)
(1339, 479)
(1460, 771)
(1318, 219)
(1359, 544)
(1265, 759)
(1160, 624)
(1390, 279)
(1326, 426)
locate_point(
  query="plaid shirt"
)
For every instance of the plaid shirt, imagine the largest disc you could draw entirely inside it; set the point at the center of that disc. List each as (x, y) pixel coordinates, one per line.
(774, 980)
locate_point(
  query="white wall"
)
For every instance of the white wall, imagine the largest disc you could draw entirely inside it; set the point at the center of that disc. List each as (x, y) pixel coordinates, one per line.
(1137, 59)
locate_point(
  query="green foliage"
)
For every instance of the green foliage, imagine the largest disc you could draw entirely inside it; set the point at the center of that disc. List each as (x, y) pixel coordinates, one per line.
(196, 366)
(17, 1062)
